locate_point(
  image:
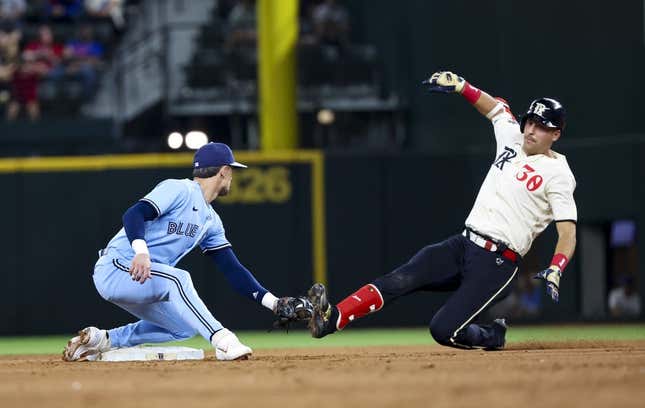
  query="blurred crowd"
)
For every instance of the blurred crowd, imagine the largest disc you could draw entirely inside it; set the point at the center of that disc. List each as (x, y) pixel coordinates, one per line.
(327, 56)
(332, 66)
(324, 22)
(53, 41)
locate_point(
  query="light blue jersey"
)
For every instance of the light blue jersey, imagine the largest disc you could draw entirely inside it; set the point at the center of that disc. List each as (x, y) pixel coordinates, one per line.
(184, 220)
(167, 304)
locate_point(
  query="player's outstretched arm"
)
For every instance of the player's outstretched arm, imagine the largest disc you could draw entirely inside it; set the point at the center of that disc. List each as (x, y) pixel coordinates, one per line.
(563, 252)
(449, 82)
(240, 278)
(287, 309)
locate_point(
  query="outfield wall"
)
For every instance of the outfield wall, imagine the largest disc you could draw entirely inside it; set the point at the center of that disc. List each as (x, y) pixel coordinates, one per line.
(293, 218)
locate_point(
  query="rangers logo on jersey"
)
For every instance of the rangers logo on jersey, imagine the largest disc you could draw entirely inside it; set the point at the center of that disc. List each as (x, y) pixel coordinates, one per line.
(504, 157)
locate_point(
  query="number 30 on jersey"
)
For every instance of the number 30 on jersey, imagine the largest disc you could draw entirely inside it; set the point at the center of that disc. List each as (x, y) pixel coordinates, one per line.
(533, 181)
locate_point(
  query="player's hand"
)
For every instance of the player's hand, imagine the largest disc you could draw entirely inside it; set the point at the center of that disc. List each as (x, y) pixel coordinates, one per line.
(552, 278)
(140, 269)
(445, 82)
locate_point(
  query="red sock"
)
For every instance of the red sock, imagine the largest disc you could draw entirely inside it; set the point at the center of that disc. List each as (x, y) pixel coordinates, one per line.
(366, 300)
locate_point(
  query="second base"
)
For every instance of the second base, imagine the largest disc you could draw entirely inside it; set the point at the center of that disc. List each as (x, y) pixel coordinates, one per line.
(142, 353)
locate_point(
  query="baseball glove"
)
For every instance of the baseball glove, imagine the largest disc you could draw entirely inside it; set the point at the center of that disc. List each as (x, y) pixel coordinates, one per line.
(290, 310)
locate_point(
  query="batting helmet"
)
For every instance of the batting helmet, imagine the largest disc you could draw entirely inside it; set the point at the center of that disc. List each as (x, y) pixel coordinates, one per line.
(547, 111)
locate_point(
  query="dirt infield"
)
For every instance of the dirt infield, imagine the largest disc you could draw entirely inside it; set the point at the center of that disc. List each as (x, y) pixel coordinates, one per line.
(588, 374)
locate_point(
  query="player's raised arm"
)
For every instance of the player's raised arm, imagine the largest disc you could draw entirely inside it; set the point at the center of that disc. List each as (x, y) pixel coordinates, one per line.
(448, 82)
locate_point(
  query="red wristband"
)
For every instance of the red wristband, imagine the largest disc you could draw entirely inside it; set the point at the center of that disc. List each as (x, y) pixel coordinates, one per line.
(471, 93)
(560, 260)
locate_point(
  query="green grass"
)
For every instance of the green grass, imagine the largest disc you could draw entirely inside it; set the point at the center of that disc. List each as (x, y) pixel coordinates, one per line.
(356, 337)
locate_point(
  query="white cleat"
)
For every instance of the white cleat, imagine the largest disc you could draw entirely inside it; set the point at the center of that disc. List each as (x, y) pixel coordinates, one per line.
(87, 346)
(228, 346)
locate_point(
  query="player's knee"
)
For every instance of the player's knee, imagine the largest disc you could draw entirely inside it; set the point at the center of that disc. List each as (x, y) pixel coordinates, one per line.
(119, 298)
(103, 287)
(184, 278)
(440, 332)
(106, 296)
(108, 293)
(102, 290)
(184, 334)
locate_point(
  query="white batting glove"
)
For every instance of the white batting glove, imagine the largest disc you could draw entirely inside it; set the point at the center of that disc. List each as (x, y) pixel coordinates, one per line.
(552, 277)
(445, 82)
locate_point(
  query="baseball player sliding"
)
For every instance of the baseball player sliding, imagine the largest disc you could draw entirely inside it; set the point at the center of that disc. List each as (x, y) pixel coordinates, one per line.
(528, 186)
(136, 270)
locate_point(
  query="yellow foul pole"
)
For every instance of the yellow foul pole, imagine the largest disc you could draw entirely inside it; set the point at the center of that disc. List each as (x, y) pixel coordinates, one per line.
(277, 38)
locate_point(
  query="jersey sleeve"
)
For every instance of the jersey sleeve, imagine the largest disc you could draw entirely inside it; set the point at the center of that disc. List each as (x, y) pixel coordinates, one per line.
(215, 237)
(507, 130)
(167, 195)
(559, 192)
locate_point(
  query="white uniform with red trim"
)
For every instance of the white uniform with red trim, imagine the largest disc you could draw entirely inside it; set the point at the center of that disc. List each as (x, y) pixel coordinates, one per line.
(521, 194)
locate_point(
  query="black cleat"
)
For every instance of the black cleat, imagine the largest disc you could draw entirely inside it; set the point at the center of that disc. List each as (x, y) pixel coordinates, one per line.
(324, 316)
(499, 327)
(317, 295)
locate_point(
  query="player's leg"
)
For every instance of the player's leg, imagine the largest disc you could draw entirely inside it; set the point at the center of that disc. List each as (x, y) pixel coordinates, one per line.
(145, 331)
(435, 267)
(167, 285)
(487, 279)
(150, 300)
(184, 304)
(167, 300)
(90, 342)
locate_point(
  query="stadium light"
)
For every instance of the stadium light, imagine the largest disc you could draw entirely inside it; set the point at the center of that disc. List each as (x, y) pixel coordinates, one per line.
(196, 139)
(326, 116)
(175, 140)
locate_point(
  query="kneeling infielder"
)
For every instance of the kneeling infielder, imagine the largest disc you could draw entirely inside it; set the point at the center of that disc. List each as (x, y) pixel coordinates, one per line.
(528, 186)
(136, 270)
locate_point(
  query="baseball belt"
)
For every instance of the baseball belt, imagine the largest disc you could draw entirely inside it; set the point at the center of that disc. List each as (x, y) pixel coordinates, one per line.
(488, 244)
